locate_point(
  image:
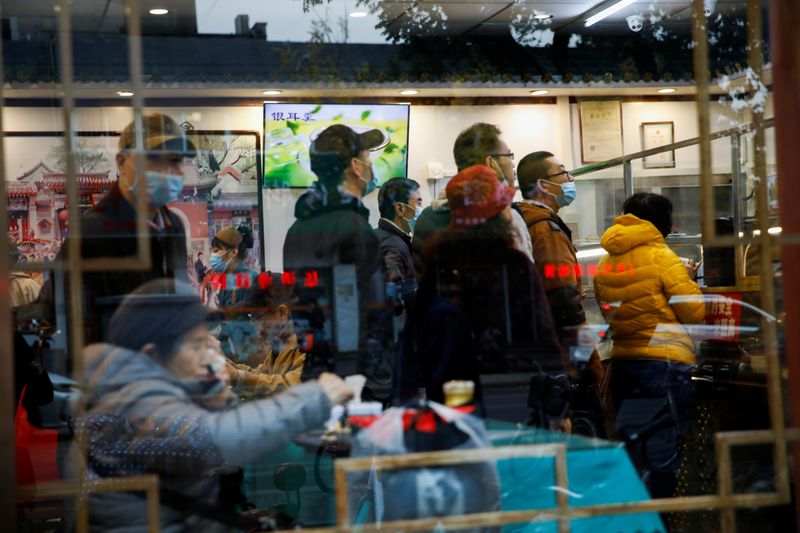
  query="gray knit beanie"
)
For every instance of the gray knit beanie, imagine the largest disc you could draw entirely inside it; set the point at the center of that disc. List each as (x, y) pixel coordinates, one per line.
(159, 312)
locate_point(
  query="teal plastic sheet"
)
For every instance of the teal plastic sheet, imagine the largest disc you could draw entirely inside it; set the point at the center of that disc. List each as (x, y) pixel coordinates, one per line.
(598, 471)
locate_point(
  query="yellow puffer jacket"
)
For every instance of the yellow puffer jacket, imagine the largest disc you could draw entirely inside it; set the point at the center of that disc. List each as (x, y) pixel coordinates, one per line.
(639, 286)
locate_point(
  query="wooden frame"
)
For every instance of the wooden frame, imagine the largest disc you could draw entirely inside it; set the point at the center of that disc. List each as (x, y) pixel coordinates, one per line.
(558, 451)
(656, 135)
(59, 489)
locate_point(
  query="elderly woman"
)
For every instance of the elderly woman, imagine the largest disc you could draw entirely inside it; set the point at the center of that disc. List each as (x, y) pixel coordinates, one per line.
(646, 294)
(154, 405)
(480, 307)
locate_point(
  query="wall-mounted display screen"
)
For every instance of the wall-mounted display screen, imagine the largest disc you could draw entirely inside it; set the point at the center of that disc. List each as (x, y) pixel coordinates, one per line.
(289, 130)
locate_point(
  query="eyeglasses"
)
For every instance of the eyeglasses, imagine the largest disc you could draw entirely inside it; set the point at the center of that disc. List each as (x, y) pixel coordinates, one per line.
(510, 155)
(567, 172)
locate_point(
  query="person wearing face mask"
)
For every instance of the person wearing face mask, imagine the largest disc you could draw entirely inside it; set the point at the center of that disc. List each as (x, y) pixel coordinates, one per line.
(226, 262)
(546, 187)
(332, 229)
(480, 144)
(109, 228)
(400, 205)
(332, 222)
(275, 361)
(155, 405)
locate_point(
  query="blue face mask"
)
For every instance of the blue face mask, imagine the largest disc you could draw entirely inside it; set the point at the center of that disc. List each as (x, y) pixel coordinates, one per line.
(161, 188)
(412, 223)
(216, 263)
(568, 193)
(372, 184)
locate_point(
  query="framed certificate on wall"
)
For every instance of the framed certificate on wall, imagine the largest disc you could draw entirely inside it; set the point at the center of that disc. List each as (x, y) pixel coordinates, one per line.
(655, 135)
(601, 130)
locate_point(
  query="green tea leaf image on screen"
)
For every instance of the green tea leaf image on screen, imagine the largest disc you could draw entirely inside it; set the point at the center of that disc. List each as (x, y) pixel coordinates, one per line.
(289, 130)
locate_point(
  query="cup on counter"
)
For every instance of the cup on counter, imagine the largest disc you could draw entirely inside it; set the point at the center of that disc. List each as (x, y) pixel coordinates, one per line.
(458, 393)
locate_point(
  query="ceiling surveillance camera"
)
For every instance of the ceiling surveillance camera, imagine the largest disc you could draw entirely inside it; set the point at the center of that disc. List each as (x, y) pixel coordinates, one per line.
(709, 6)
(635, 22)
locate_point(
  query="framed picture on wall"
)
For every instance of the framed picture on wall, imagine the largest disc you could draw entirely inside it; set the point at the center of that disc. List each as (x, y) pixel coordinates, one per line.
(220, 186)
(601, 130)
(36, 165)
(656, 135)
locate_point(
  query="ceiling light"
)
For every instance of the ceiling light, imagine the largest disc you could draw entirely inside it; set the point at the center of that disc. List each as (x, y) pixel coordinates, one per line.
(409, 92)
(666, 91)
(124, 93)
(271, 92)
(539, 92)
(159, 11)
(543, 16)
(358, 14)
(607, 12)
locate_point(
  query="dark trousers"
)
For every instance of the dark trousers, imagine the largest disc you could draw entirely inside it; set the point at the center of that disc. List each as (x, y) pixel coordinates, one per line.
(652, 403)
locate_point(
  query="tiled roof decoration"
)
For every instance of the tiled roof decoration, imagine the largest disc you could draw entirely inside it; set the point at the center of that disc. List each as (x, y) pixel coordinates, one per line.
(103, 59)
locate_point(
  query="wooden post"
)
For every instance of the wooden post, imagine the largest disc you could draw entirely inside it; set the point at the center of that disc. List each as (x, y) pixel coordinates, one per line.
(785, 49)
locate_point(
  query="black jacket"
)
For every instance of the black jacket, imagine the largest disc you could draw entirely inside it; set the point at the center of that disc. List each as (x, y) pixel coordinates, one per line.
(332, 228)
(395, 249)
(489, 317)
(398, 266)
(109, 230)
(430, 221)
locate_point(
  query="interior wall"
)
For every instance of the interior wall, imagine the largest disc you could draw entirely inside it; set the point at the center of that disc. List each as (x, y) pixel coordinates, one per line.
(432, 131)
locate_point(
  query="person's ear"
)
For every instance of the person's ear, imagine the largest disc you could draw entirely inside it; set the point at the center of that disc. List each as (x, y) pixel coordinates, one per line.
(549, 187)
(541, 187)
(283, 312)
(356, 167)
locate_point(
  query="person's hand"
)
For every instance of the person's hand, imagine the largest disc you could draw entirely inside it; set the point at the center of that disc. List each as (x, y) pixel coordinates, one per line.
(334, 388)
(564, 425)
(691, 267)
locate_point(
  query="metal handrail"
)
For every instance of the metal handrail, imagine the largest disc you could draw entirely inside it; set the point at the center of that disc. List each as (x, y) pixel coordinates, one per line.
(592, 167)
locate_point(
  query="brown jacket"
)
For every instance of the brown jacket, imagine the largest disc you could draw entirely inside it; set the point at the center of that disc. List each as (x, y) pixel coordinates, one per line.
(554, 256)
(274, 374)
